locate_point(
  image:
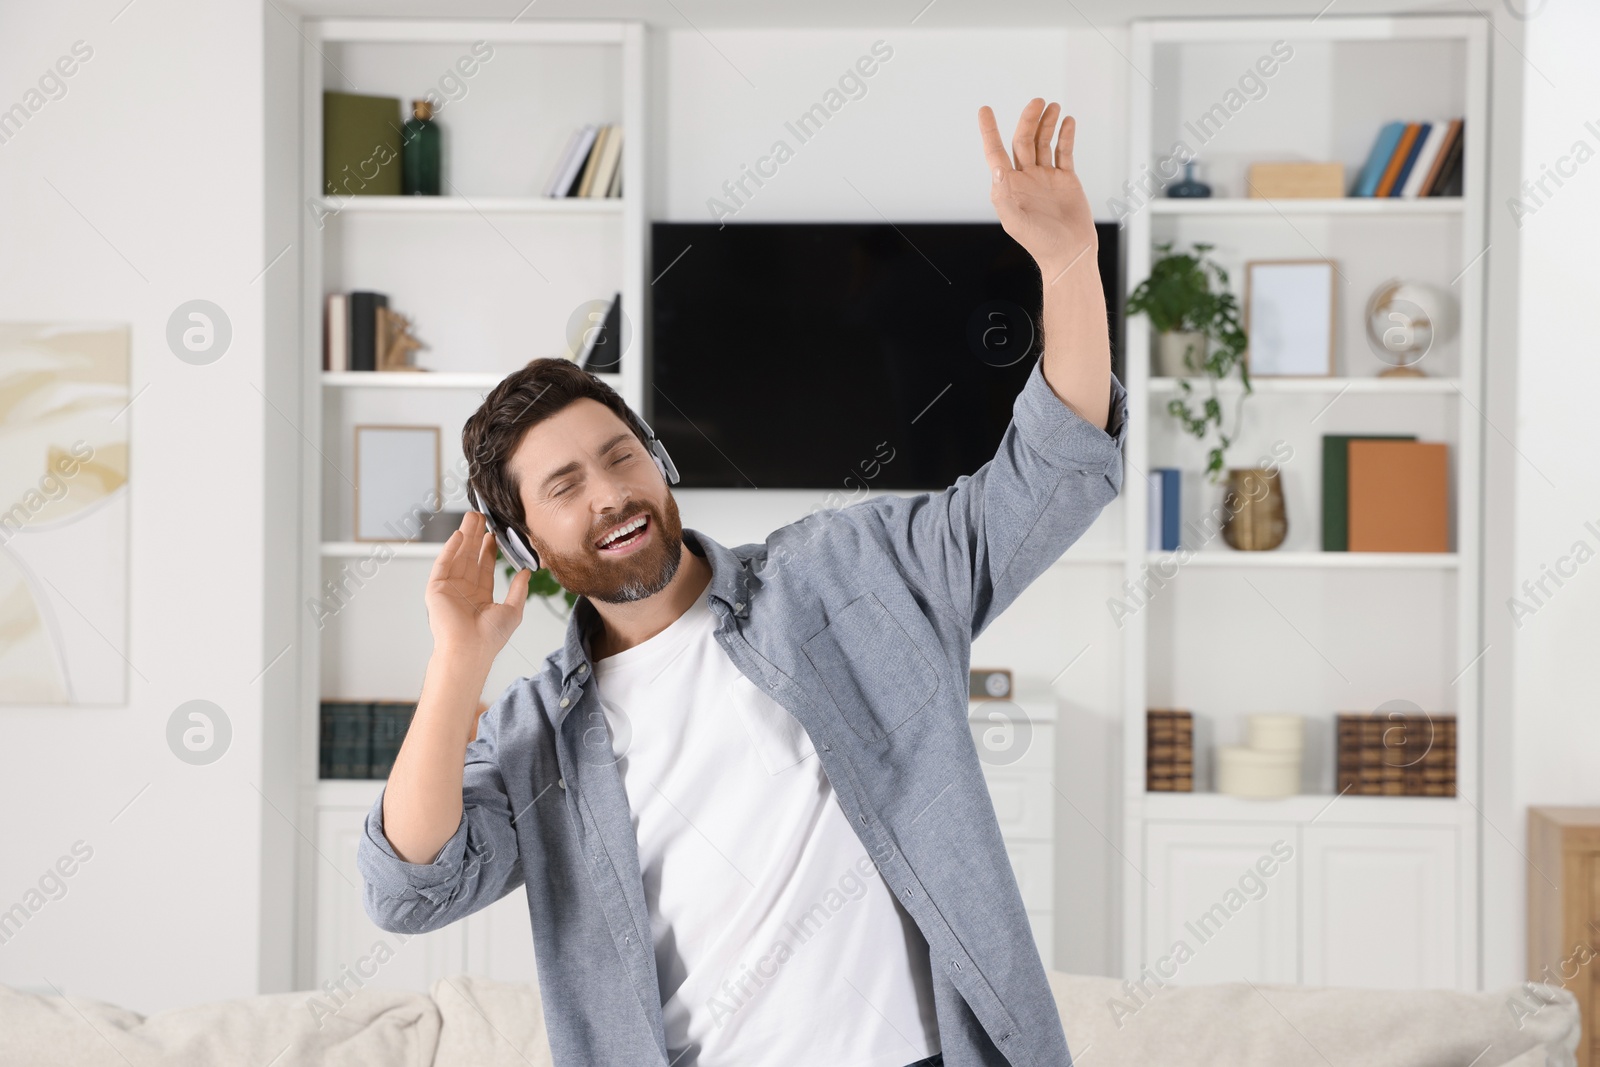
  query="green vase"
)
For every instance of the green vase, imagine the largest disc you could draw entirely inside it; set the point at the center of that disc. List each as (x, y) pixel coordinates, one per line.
(419, 153)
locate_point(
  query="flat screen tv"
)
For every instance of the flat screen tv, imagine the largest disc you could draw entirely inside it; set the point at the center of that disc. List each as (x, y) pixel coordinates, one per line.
(841, 356)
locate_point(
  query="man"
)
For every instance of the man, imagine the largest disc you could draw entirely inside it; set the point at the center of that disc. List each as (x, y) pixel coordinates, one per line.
(743, 797)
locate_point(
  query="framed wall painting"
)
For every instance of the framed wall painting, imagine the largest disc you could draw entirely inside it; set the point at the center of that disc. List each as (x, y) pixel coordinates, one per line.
(64, 514)
(397, 480)
(1289, 317)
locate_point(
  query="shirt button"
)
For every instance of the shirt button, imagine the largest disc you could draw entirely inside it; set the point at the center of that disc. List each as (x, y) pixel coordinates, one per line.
(565, 701)
(582, 667)
(739, 606)
(562, 782)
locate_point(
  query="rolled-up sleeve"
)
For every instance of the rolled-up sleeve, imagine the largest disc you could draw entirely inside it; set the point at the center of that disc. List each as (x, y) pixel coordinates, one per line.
(978, 544)
(477, 866)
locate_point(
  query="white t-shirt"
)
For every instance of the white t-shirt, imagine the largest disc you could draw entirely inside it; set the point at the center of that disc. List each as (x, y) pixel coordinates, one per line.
(777, 941)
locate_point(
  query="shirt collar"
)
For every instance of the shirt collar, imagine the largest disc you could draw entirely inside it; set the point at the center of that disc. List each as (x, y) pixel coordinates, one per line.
(730, 584)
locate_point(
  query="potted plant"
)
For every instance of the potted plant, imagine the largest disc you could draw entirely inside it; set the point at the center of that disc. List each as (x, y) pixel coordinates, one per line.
(1197, 332)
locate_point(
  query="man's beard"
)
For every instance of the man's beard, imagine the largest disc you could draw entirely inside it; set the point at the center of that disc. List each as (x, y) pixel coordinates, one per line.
(632, 577)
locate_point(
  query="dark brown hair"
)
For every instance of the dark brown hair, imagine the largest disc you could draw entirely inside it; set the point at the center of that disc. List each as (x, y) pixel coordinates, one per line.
(518, 402)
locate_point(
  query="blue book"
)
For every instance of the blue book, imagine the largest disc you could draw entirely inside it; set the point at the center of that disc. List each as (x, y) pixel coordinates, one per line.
(1411, 158)
(1378, 161)
(1169, 508)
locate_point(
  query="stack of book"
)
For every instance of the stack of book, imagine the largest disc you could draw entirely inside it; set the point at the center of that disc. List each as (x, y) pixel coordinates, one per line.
(1385, 493)
(1414, 159)
(591, 164)
(351, 329)
(1397, 755)
(1169, 751)
(361, 739)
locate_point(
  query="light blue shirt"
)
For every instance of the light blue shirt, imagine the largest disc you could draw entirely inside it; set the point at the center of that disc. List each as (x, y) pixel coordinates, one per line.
(858, 620)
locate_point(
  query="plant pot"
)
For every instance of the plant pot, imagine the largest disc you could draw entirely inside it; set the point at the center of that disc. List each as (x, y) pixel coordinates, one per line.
(1171, 348)
(1253, 503)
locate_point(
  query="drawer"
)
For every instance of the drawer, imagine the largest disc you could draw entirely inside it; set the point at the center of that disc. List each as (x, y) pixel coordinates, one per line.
(1023, 801)
(1008, 740)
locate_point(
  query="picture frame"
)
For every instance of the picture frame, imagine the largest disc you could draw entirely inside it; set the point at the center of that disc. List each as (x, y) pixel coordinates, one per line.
(1289, 315)
(397, 480)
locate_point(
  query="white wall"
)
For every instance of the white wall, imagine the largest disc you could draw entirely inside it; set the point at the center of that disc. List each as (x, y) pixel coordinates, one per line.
(1545, 743)
(156, 158)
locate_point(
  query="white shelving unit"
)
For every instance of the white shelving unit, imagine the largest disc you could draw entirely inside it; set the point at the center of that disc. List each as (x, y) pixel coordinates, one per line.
(1383, 890)
(491, 275)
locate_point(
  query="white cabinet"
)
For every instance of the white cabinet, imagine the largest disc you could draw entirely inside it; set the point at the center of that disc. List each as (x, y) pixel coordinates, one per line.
(1221, 902)
(1283, 897)
(1379, 907)
(1016, 742)
(352, 953)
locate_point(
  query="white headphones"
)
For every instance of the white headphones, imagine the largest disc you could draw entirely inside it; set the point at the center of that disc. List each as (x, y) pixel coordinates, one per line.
(511, 543)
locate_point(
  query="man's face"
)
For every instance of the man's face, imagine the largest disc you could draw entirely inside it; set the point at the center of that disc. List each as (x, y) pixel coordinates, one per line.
(582, 473)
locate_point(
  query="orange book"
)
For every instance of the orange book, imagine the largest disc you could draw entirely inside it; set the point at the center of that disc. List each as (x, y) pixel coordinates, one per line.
(1398, 159)
(1399, 496)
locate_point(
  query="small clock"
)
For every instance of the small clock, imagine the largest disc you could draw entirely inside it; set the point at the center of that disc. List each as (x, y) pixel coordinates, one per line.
(989, 683)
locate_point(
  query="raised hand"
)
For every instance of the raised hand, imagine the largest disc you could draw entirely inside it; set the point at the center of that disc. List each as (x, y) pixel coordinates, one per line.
(462, 613)
(1038, 197)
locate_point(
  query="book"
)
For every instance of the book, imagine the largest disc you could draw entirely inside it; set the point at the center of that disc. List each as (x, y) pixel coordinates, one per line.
(364, 329)
(1422, 166)
(1399, 496)
(1382, 148)
(602, 346)
(1336, 486)
(1409, 163)
(592, 164)
(1169, 750)
(336, 333)
(1448, 181)
(360, 739)
(616, 181)
(1164, 511)
(390, 721)
(1402, 152)
(561, 167)
(610, 157)
(569, 177)
(346, 742)
(361, 138)
(1449, 150)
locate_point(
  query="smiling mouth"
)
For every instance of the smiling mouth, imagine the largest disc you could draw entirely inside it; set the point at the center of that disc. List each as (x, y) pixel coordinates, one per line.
(630, 538)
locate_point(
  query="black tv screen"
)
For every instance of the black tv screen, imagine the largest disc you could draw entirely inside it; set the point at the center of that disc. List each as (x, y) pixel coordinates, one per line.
(843, 356)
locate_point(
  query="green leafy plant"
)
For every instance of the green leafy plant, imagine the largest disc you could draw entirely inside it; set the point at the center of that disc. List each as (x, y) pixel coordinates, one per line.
(1179, 297)
(541, 583)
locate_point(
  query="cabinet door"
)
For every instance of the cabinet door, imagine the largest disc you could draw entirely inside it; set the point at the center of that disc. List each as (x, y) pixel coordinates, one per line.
(349, 946)
(1380, 907)
(1226, 897)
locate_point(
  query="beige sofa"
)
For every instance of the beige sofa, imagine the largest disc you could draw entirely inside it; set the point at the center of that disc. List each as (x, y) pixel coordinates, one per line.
(475, 1022)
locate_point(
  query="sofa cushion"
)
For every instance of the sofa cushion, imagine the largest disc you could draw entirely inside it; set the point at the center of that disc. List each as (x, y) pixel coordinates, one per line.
(1109, 1024)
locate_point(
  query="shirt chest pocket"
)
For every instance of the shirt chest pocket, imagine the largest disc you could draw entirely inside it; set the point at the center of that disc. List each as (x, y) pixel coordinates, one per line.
(875, 674)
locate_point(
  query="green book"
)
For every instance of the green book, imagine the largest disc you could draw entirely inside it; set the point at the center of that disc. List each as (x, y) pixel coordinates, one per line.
(1336, 484)
(361, 138)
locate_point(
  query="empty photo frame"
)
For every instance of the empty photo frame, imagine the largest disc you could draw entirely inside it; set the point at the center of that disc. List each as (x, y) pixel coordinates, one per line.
(397, 480)
(1288, 313)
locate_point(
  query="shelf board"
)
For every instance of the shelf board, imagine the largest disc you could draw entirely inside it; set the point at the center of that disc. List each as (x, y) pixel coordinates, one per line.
(1444, 386)
(361, 379)
(1339, 560)
(1326, 808)
(363, 549)
(1349, 205)
(471, 205)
